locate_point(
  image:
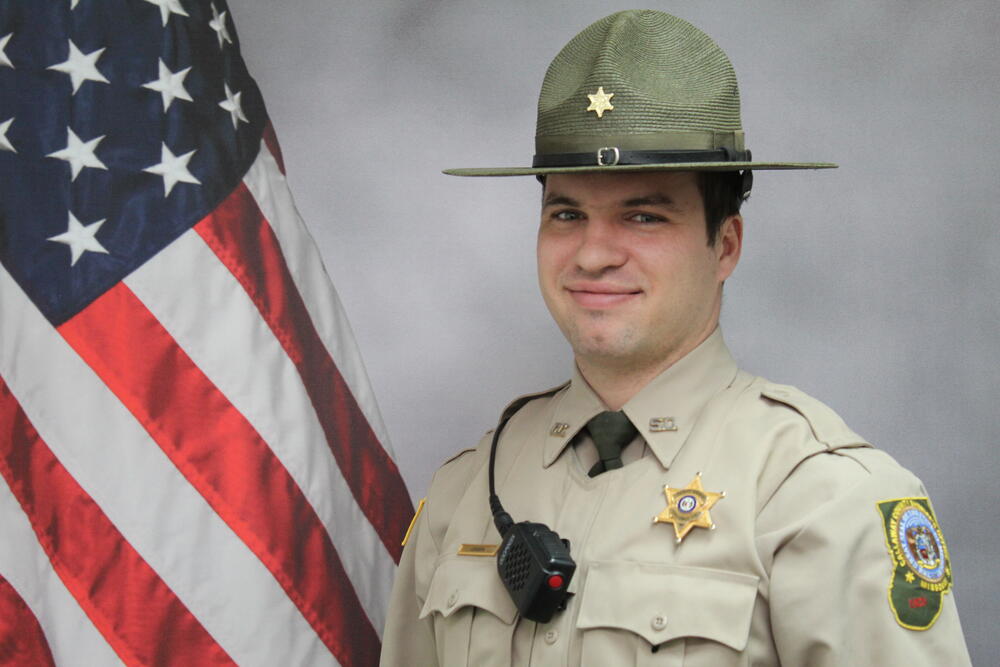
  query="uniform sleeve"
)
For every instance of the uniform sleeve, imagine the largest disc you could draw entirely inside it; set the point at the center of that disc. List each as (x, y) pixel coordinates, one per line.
(832, 568)
(408, 639)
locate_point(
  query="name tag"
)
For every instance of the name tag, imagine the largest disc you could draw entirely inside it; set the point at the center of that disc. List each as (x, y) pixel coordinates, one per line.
(478, 549)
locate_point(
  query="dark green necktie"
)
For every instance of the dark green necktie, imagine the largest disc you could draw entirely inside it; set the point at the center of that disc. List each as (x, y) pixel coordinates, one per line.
(610, 431)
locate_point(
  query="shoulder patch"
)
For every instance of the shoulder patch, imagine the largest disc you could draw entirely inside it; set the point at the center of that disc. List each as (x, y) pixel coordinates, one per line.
(921, 569)
(826, 424)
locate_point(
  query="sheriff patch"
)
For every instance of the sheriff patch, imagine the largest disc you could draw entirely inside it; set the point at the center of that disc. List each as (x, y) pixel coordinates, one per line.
(921, 569)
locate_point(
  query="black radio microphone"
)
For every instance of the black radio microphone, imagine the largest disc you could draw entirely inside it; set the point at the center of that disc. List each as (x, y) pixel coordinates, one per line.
(533, 562)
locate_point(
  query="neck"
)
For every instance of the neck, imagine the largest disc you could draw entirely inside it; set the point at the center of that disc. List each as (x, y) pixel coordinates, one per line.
(615, 382)
(614, 387)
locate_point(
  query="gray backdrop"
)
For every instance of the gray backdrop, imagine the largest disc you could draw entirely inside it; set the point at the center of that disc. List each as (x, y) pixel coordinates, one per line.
(873, 286)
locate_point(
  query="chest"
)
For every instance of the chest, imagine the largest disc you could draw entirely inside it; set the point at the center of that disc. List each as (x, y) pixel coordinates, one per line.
(639, 595)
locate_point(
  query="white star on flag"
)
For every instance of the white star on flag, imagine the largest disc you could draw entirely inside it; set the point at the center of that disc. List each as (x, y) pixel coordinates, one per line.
(4, 60)
(79, 153)
(80, 66)
(218, 24)
(80, 238)
(73, 4)
(168, 7)
(5, 144)
(173, 169)
(232, 105)
(170, 85)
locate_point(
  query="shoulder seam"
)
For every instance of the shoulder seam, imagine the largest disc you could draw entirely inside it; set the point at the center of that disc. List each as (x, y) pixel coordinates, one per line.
(524, 399)
(456, 456)
(834, 434)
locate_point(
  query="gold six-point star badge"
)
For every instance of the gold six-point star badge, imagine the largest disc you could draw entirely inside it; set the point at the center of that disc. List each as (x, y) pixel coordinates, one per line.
(600, 102)
(688, 507)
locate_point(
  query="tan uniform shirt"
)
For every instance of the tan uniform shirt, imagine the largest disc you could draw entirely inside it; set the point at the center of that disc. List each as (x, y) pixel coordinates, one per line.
(796, 572)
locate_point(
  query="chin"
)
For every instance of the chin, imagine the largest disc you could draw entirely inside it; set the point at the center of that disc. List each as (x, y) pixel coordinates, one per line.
(603, 346)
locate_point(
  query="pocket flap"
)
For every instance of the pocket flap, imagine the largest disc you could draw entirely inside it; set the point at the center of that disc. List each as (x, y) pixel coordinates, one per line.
(662, 602)
(464, 581)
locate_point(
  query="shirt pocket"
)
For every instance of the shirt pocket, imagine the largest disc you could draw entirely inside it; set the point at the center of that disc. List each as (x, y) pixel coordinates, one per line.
(472, 613)
(653, 614)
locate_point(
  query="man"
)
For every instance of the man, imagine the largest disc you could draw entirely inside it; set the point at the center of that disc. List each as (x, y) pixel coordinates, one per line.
(712, 517)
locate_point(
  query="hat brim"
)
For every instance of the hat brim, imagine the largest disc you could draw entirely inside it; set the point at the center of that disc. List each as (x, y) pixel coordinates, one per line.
(674, 166)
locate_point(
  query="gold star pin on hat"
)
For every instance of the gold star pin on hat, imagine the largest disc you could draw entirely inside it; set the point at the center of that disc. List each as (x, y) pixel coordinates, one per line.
(688, 507)
(600, 102)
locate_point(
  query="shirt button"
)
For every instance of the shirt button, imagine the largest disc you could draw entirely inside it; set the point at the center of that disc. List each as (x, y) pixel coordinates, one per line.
(551, 636)
(659, 622)
(452, 599)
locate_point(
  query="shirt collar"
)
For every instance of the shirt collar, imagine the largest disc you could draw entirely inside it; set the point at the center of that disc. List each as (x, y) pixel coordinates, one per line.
(664, 411)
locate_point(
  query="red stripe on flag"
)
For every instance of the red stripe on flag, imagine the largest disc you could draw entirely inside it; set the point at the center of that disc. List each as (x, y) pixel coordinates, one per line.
(271, 140)
(22, 641)
(244, 241)
(226, 460)
(135, 611)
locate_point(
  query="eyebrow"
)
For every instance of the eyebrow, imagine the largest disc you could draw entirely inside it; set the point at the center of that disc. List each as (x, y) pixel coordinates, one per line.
(560, 200)
(655, 199)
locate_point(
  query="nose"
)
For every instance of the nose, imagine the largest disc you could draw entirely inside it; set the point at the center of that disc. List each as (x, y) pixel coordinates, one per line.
(601, 246)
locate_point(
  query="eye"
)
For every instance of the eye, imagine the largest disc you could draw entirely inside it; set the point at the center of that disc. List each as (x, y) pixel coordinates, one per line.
(566, 215)
(646, 218)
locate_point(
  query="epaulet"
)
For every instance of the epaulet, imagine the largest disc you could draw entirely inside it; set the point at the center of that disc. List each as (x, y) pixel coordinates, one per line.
(827, 426)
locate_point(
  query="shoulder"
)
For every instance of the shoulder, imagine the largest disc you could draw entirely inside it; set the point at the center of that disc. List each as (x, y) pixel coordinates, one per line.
(774, 406)
(453, 478)
(525, 406)
(449, 484)
(814, 460)
(530, 405)
(826, 425)
(808, 454)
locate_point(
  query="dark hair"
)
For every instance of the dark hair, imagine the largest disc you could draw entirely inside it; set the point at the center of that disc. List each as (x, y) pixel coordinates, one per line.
(722, 195)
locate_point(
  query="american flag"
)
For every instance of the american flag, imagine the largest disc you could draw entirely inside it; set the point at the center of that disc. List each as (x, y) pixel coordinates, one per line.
(193, 469)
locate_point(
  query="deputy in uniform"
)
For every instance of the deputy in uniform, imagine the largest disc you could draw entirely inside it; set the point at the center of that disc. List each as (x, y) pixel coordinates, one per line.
(715, 518)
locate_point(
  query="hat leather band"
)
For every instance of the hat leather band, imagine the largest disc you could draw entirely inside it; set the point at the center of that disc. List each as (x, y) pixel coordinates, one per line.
(611, 156)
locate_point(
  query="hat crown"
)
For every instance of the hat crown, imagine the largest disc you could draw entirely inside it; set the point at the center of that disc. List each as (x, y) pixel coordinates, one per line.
(639, 90)
(666, 76)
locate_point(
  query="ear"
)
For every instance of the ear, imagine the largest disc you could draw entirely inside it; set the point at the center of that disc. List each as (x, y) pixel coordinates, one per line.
(728, 245)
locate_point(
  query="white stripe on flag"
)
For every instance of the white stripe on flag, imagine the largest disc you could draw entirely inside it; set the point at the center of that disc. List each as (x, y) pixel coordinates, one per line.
(224, 335)
(268, 186)
(71, 636)
(115, 461)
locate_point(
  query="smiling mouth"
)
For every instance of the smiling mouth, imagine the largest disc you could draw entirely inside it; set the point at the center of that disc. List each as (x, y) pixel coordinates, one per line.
(593, 300)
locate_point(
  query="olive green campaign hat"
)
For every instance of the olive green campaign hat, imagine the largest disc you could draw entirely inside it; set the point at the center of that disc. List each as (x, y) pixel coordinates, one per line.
(639, 90)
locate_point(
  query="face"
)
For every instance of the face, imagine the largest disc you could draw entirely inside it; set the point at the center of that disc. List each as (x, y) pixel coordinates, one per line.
(625, 266)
